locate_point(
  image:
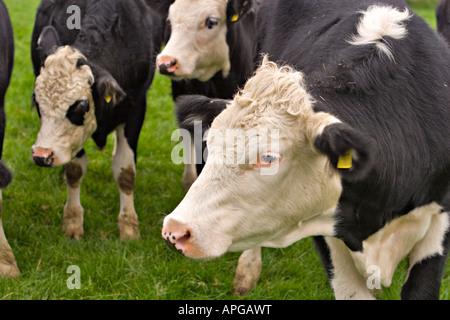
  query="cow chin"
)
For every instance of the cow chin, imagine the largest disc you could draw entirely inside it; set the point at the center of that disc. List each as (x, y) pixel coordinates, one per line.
(203, 75)
(64, 157)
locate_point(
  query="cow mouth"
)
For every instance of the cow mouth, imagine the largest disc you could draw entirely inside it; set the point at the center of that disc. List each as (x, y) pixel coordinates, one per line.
(41, 162)
(46, 161)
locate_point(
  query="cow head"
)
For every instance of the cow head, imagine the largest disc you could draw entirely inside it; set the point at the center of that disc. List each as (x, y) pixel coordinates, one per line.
(292, 176)
(65, 99)
(197, 48)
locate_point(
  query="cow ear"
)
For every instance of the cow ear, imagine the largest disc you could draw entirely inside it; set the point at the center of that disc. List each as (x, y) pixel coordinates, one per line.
(195, 109)
(107, 87)
(110, 90)
(350, 151)
(237, 9)
(47, 43)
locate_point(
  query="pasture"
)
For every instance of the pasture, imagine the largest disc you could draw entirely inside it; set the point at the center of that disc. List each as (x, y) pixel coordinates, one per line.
(144, 269)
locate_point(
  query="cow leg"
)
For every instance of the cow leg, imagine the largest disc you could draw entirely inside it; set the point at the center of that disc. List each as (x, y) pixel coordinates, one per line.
(347, 282)
(324, 254)
(427, 261)
(124, 170)
(74, 172)
(248, 271)
(8, 265)
(190, 170)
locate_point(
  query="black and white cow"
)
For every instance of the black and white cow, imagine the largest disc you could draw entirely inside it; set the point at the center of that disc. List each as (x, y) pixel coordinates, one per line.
(210, 52)
(8, 265)
(443, 18)
(347, 145)
(92, 81)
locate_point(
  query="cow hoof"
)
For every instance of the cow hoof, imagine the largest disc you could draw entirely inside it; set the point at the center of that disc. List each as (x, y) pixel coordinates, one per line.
(73, 222)
(241, 291)
(247, 272)
(129, 228)
(9, 270)
(73, 231)
(243, 284)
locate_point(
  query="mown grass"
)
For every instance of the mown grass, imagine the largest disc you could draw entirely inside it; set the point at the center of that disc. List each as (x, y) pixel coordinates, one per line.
(111, 269)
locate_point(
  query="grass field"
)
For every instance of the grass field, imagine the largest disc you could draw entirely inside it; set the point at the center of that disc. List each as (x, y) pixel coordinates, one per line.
(142, 269)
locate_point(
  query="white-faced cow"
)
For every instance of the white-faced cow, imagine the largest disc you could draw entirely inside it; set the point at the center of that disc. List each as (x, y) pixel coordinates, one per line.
(90, 82)
(8, 265)
(354, 148)
(443, 18)
(210, 52)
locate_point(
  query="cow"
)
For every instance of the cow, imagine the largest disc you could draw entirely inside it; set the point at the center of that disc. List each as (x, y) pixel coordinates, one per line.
(443, 18)
(210, 52)
(340, 139)
(89, 82)
(8, 265)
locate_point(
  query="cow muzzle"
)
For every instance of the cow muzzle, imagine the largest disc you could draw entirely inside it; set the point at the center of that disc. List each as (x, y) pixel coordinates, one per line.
(178, 237)
(43, 157)
(167, 65)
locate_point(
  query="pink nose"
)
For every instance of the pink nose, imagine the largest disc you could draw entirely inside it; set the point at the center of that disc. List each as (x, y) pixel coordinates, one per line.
(167, 65)
(177, 236)
(43, 157)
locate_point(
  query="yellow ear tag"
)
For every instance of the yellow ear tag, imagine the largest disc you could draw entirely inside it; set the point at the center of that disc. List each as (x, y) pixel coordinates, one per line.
(345, 161)
(108, 99)
(235, 18)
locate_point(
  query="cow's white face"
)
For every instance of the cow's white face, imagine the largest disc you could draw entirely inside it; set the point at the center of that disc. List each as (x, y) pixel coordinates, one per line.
(197, 48)
(64, 98)
(283, 181)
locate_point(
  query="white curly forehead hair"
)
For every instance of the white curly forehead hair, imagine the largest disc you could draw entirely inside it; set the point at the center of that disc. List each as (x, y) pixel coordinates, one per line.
(64, 79)
(275, 96)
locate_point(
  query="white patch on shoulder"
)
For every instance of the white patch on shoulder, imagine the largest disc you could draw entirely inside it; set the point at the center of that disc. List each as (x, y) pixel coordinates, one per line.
(419, 233)
(378, 22)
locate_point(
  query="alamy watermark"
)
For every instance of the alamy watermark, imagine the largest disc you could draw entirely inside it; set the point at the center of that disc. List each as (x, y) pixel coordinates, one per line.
(374, 277)
(74, 280)
(232, 147)
(74, 20)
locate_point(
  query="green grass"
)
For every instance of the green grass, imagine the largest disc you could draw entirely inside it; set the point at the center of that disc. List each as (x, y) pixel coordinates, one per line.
(111, 269)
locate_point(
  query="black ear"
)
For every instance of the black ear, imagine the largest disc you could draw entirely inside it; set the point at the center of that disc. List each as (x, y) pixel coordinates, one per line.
(47, 43)
(351, 152)
(195, 109)
(107, 87)
(237, 9)
(443, 19)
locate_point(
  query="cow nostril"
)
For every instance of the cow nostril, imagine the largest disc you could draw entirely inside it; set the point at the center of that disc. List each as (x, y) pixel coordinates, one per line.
(184, 238)
(172, 63)
(174, 243)
(44, 161)
(167, 67)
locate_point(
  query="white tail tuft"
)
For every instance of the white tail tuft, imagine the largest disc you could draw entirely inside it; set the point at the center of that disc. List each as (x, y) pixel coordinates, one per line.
(379, 22)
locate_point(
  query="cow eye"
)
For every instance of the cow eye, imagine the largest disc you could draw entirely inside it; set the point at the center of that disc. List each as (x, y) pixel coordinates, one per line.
(268, 158)
(76, 112)
(211, 22)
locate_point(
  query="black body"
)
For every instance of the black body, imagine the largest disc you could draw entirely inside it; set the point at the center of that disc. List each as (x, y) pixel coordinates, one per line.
(119, 38)
(396, 113)
(443, 18)
(6, 66)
